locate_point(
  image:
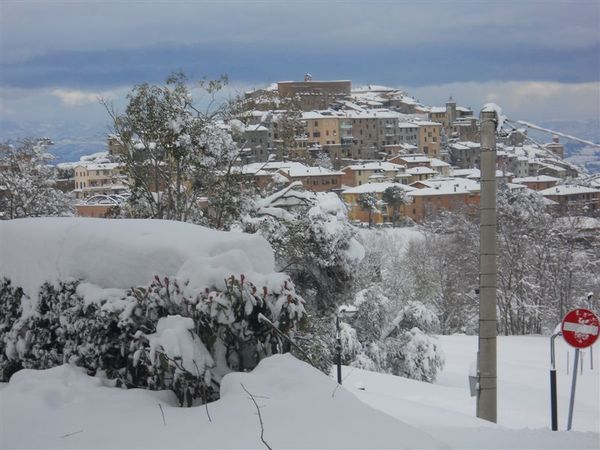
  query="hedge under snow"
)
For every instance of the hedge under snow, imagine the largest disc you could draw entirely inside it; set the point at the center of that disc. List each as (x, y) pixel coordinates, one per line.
(152, 303)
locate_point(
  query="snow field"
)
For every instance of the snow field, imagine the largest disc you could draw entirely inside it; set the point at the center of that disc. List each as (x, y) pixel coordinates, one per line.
(446, 410)
(302, 408)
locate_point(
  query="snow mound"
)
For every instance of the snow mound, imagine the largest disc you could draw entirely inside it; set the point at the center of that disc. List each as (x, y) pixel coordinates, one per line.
(124, 253)
(174, 336)
(300, 408)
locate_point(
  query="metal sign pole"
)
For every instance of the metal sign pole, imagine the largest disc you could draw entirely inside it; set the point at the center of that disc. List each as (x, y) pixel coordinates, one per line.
(553, 394)
(339, 349)
(573, 386)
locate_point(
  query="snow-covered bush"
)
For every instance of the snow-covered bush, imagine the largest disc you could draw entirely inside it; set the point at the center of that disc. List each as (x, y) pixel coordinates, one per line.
(394, 339)
(413, 354)
(182, 332)
(156, 337)
(313, 242)
(372, 313)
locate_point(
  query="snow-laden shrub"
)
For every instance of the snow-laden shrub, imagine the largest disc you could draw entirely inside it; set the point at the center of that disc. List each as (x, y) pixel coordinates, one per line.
(351, 346)
(413, 354)
(317, 341)
(372, 314)
(313, 241)
(10, 311)
(157, 337)
(395, 340)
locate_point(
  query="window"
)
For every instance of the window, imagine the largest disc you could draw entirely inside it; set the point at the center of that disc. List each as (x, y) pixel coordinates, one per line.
(317, 134)
(326, 132)
(316, 123)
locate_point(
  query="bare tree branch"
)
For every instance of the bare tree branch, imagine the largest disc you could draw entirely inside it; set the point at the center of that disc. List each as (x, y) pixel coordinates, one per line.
(262, 427)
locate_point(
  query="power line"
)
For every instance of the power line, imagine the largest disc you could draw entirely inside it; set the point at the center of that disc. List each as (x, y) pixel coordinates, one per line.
(558, 133)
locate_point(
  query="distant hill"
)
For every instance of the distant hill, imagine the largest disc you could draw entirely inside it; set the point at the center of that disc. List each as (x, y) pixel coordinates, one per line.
(71, 139)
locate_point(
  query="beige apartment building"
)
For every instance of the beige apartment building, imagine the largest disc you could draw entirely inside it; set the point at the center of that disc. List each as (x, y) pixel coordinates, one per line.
(359, 174)
(429, 138)
(322, 127)
(93, 179)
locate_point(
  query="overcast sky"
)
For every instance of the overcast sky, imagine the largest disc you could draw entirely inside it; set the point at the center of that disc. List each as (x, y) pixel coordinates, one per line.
(538, 59)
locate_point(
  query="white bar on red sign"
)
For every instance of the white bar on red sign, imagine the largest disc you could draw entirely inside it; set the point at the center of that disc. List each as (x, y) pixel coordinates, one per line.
(580, 328)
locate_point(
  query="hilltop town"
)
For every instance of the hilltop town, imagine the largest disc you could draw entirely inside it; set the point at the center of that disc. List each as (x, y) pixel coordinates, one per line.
(358, 142)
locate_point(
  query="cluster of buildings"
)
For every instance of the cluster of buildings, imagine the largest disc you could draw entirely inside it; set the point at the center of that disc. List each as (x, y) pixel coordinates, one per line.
(332, 137)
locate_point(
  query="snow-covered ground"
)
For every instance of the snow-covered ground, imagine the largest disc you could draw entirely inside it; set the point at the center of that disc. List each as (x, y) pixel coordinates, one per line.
(446, 411)
(302, 408)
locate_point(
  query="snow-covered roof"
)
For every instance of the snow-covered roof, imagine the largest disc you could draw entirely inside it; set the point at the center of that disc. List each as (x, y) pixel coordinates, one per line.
(104, 166)
(308, 171)
(448, 184)
(428, 123)
(538, 178)
(421, 171)
(414, 159)
(569, 189)
(379, 165)
(270, 166)
(464, 172)
(435, 162)
(407, 125)
(376, 188)
(438, 109)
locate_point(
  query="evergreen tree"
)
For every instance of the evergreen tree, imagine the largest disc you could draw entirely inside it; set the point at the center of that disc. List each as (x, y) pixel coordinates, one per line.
(368, 202)
(394, 197)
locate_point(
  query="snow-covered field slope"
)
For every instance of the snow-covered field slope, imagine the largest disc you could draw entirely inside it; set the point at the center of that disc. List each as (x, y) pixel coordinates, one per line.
(446, 411)
(301, 408)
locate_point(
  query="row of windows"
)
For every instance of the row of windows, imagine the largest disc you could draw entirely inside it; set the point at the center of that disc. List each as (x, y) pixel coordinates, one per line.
(324, 181)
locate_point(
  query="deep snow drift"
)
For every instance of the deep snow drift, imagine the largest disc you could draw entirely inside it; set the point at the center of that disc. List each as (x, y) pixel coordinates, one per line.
(302, 408)
(109, 254)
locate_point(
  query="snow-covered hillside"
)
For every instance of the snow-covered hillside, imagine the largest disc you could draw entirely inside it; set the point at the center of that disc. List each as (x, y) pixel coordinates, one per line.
(302, 408)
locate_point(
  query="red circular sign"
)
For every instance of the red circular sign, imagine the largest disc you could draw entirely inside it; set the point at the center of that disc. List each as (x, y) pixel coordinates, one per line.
(580, 328)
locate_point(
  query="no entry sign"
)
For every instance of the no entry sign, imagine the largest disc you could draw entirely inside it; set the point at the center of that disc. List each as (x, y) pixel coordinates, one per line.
(580, 328)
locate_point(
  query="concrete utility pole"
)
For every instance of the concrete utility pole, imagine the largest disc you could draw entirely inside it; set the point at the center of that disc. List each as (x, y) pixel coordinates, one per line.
(486, 370)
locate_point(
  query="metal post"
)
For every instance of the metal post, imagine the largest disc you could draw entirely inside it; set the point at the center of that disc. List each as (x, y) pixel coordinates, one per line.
(339, 349)
(573, 386)
(568, 354)
(553, 394)
(592, 357)
(487, 395)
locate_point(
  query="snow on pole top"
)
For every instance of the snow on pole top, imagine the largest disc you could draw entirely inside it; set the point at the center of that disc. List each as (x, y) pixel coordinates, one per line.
(493, 107)
(127, 253)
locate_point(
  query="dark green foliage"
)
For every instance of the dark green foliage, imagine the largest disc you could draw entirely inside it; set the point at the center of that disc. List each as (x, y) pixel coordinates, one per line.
(112, 336)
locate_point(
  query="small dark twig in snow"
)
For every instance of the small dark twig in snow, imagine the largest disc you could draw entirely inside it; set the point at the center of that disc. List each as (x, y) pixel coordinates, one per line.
(163, 414)
(262, 428)
(71, 434)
